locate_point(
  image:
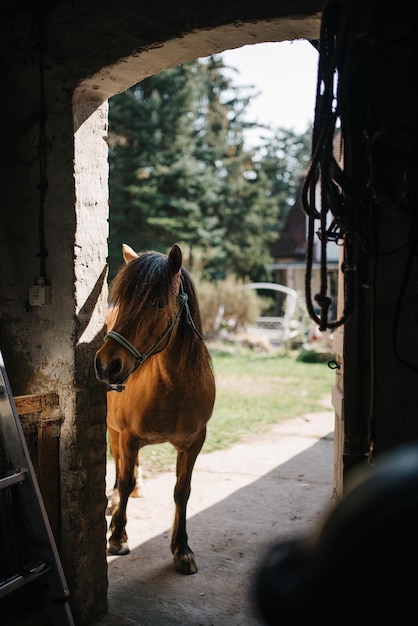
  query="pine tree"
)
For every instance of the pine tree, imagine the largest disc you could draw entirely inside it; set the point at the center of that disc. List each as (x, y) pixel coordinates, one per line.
(155, 179)
(180, 172)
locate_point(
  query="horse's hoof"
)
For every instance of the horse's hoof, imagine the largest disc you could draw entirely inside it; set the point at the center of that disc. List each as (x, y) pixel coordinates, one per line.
(117, 548)
(184, 563)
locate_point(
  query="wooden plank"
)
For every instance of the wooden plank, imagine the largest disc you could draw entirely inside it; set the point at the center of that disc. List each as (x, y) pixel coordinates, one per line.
(337, 398)
(41, 421)
(42, 405)
(338, 341)
(338, 391)
(48, 470)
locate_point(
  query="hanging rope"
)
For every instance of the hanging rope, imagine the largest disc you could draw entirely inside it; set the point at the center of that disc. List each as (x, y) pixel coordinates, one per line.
(325, 172)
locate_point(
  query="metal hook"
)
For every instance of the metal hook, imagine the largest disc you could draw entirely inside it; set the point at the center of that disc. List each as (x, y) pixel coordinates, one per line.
(333, 365)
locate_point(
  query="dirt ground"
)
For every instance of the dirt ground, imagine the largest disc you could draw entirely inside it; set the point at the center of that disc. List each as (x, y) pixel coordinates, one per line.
(268, 488)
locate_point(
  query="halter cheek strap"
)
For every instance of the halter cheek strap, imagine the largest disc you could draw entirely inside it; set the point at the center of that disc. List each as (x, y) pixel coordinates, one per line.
(184, 304)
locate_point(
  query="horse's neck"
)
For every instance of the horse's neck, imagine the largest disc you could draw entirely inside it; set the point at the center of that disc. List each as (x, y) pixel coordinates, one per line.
(180, 348)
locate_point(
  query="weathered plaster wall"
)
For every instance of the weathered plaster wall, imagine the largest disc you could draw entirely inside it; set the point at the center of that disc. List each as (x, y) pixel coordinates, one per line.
(200, 43)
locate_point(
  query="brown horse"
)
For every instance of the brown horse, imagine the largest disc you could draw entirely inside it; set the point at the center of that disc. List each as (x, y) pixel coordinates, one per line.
(160, 382)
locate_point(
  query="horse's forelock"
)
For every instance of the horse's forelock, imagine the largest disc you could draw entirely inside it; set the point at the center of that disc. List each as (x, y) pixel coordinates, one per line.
(146, 279)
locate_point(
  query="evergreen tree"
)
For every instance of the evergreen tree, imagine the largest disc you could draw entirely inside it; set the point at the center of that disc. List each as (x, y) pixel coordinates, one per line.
(283, 158)
(223, 151)
(180, 172)
(156, 182)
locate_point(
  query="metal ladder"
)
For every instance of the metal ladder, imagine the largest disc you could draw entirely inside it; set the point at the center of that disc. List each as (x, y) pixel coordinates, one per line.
(20, 493)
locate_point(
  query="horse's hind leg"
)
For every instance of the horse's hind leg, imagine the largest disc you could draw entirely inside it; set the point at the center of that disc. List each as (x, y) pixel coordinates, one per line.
(128, 451)
(114, 448)
(138, 490)
(184, 561)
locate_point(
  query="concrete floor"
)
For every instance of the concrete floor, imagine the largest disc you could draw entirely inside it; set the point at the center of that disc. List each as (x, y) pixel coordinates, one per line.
(268, 488)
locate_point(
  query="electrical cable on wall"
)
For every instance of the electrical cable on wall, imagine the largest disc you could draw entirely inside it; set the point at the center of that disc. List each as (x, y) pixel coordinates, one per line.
(40, 293)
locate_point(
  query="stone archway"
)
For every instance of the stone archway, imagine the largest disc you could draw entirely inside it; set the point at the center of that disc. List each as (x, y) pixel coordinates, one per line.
(90, 109)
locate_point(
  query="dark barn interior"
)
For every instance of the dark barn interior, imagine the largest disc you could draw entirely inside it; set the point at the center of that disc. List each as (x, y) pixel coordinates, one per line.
(61, 62)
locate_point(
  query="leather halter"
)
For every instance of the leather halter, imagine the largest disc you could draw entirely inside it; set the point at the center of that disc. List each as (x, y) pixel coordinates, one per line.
(141, 357)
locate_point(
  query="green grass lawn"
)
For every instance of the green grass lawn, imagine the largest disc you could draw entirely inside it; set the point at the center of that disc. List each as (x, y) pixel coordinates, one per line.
(254, 391)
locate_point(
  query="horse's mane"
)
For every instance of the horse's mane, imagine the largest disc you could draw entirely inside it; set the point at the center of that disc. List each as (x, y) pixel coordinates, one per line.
(148, 279)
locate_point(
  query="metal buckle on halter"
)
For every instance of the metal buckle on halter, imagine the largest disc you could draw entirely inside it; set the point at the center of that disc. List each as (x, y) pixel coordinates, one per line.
(117, 388)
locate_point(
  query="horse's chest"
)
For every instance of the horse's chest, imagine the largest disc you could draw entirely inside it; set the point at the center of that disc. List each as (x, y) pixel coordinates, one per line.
(153, 412)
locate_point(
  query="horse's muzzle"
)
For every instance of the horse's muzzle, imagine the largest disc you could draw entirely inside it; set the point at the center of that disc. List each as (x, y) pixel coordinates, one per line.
(110, 373)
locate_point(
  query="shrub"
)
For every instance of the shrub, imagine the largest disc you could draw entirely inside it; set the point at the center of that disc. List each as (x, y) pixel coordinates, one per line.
(226, 305)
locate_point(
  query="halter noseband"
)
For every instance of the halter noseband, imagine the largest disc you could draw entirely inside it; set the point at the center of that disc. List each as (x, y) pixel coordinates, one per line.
(141, 357)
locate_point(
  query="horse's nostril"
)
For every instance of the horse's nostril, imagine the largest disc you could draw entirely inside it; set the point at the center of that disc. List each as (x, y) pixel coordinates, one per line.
(114, 368)
(107, 372)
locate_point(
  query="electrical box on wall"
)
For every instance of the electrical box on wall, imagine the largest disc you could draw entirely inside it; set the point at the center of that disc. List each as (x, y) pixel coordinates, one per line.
(40, 294)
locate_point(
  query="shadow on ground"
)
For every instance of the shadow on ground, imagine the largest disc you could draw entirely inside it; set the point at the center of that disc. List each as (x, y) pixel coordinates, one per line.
(269, 488)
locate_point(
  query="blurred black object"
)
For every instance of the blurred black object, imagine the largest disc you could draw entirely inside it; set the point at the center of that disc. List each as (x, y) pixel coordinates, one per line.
(361, 564)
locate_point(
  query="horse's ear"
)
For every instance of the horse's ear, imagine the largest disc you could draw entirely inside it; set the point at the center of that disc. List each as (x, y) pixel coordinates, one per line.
(175, 259)
(128, 253)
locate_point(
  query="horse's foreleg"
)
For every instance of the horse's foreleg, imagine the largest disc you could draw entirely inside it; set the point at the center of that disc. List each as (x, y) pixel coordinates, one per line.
(184, 561)
(118, 541)
(138, 489)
